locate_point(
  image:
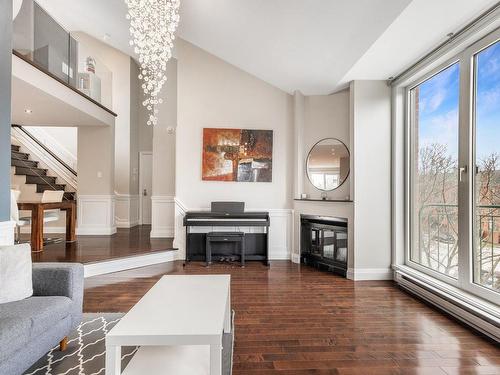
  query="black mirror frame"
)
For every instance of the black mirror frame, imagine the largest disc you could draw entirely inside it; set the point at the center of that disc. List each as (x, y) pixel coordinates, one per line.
(307, 163)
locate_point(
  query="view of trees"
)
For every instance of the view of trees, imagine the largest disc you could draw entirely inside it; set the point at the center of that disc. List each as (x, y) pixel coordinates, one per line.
(436, 198)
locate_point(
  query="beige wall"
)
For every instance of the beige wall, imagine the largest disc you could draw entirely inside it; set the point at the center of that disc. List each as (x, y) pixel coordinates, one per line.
(121, 66)
(96, 156)
(213, 93)
(371, 131)
(135, 125)
(164, 139)
(325, 116)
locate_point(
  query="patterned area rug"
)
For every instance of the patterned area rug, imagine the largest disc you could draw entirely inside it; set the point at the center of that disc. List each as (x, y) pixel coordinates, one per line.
(86, 350)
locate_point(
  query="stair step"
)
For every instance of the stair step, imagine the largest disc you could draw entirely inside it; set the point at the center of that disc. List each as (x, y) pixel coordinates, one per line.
(19, 155)
(40, 188)
(70, 196)
(23, 163)
(24, 171)
(43, 180)
(14, 148)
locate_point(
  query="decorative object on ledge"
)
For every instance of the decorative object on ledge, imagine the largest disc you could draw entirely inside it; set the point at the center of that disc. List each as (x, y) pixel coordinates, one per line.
(328, 164)
(88, 82)
(152, 28)
(323, 243)
(242, 155)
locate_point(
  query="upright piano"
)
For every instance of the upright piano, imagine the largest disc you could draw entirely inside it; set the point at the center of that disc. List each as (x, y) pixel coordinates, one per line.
(224, 215)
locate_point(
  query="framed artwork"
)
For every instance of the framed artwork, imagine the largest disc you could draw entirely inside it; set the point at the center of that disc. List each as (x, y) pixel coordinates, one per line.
(243, 155)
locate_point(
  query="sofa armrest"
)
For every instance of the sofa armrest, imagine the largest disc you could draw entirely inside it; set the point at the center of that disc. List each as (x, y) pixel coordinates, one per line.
(60, 279)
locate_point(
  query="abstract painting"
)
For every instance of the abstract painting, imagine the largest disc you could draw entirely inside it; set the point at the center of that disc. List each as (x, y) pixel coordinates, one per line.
(241, 155)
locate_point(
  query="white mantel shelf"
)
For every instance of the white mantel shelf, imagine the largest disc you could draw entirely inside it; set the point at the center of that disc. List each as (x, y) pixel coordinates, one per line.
(324, 200)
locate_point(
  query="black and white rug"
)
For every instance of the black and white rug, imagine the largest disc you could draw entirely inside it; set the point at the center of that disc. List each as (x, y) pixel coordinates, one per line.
(86, 351)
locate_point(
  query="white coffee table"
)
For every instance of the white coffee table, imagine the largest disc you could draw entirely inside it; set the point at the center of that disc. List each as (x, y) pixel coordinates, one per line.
(178, 325)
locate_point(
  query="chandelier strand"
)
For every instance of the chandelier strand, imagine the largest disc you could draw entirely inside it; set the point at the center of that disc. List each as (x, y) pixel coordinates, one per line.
(152, 29)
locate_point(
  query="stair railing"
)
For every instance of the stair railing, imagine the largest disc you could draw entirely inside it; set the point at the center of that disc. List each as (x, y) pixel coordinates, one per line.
(45, 155)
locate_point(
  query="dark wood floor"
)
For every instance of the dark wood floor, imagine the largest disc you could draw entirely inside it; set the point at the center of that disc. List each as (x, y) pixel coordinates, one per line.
(88, 249)
(295, 320)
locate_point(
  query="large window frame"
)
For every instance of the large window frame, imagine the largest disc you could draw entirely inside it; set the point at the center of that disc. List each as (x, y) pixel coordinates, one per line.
(466, 159)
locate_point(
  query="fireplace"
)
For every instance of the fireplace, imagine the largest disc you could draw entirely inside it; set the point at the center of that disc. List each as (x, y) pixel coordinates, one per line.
(323, 242)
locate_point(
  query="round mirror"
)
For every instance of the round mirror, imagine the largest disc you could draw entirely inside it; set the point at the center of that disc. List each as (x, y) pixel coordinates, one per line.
(328, 164)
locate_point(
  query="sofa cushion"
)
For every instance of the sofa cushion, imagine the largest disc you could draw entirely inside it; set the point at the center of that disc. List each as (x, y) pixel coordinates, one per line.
(14, 334)
(42, 312)
(15, 273)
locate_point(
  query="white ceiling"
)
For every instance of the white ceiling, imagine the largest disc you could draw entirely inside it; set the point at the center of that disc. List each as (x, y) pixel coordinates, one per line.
(314, 46)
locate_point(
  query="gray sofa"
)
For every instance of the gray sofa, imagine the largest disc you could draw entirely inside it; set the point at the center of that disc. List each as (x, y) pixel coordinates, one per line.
(31, 327)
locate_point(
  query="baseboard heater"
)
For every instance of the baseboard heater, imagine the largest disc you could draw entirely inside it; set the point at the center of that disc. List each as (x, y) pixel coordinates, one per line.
(479, 320)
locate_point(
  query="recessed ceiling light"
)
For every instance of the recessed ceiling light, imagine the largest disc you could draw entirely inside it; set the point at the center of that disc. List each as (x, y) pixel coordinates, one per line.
(28, 111)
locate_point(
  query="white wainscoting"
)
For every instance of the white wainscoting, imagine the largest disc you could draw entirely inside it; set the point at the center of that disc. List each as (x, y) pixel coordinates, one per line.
(280, 234)
(7, 233)
(96, 215)
(127, 210)
(280, 231)
(162, 216)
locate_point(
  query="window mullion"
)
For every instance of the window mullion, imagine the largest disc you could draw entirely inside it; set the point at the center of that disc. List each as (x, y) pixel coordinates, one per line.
(465, 210)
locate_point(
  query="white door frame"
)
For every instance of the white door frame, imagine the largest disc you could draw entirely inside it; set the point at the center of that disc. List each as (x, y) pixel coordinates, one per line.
(141, 154)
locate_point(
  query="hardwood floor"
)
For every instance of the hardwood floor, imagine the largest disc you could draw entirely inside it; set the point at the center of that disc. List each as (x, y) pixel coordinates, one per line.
(295, 320)
(87, 249)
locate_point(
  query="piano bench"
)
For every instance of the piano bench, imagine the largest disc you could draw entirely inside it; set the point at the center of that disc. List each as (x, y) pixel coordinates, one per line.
(238, 237)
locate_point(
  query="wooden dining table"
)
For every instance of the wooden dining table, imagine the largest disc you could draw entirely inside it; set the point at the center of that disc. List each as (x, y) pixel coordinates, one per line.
(37, 211)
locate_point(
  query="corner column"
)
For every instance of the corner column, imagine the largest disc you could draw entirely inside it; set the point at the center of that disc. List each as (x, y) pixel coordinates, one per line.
(6, 226)
(96, 197)
(162, 201)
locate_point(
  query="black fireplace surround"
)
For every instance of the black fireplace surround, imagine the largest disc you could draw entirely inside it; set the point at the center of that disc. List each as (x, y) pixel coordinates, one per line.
(323, 242)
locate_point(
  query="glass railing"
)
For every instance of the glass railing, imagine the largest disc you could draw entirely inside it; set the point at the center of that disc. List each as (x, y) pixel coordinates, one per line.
(438, 240)
(39, 39)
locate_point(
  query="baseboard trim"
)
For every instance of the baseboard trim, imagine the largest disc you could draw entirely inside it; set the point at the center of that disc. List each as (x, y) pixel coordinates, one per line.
(123, 264)
(166, 232)
(370, 274)
(96, 231)
(126, 224)
(280, 255)
(295, 258)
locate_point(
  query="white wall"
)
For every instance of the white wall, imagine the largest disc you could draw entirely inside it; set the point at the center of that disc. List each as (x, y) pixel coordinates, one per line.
(126, 99)
(371, 130)
(213, 93)
(325, 116)
(162, 200)
(63, 141)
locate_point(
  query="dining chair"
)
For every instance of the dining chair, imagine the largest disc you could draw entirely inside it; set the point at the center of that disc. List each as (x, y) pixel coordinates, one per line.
(52, 196)
(48, 196)
(14, 214)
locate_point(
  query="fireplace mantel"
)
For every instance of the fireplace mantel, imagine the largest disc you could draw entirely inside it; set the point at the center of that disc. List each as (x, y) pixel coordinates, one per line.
(324, 200)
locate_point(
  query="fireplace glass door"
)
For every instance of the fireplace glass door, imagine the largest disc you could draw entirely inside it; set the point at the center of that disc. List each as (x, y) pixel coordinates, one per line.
(324, 243)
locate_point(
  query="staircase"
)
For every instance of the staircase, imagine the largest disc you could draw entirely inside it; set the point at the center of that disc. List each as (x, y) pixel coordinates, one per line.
(23, 165)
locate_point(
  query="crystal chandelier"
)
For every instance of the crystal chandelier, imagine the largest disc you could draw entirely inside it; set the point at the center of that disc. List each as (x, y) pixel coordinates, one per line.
(152, 27)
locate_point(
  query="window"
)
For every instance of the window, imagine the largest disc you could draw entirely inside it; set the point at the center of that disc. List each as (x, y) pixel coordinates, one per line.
(434, 188)
(486, 264)
(453, 184)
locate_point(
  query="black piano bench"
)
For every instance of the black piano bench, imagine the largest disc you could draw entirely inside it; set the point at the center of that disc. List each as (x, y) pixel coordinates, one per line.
(238, 237)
